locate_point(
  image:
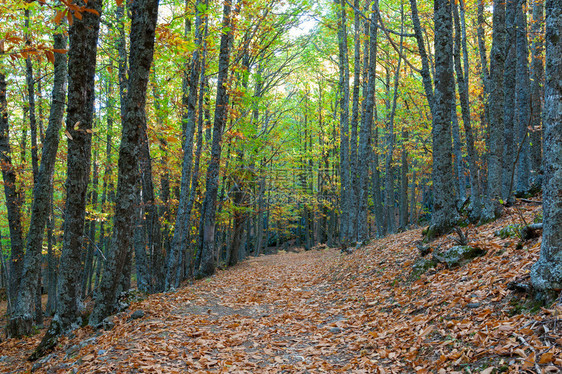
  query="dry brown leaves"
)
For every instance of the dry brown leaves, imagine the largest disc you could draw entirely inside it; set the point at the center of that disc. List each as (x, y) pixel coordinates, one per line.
(321, 311)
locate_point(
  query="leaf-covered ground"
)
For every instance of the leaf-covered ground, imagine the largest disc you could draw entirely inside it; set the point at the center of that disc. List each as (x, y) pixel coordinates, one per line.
(323, 311)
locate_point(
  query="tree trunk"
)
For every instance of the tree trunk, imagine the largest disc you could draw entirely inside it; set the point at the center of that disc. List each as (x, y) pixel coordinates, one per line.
(345, 189)
(509, 81)
(444, 214)
(20, 323)
(462, 83)
(13, 199)
(353, 160)
(365, 150)
(495, 102)
(143, 26)
(83, 36)
(30, 83)
(403, 222)
(207, 227)
(426, 76)
(189, 101)
(546, 273)
(522, 88)
(458, 165)
(537, 88)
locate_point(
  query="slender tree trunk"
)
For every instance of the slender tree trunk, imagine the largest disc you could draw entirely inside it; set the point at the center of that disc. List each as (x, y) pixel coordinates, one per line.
(376, 180)
(30, 82)
(345, 189)
(458, 165)
(89, 259)
(106, 185)
(207, 227)
(403, 222)
(353, 160)
(51, 263)
(189, 101)
(495, 102)
(537, 86)
(426, 76)
(522, 88)
(13, 199)
(365, 149)
(509, 81)
(143, 26)
(389, 176)
(546, 273)
(21, 322)
(462, 83)
(144, 283)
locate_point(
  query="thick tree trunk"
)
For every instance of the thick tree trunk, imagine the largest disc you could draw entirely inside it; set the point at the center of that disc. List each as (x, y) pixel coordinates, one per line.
(444, 214)
(20, 323)
(143, 26)
(546, 273)
(83, 36)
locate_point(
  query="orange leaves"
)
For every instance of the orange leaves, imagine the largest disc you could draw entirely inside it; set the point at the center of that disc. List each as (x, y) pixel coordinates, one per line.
(72, 10)
(319, 311)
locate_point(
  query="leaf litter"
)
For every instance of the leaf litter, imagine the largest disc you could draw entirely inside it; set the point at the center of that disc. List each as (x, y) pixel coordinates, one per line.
(325, 312)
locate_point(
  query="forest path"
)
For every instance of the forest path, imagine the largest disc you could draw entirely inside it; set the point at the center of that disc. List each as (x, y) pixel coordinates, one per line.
(323, 311)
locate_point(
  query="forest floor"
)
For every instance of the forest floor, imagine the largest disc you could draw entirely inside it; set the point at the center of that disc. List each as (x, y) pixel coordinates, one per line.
(324, 311)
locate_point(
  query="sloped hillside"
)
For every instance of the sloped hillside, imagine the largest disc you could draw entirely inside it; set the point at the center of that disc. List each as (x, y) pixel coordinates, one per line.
(324, 311)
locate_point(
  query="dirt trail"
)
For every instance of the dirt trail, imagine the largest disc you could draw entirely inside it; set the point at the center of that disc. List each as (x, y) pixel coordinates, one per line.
(321, 311)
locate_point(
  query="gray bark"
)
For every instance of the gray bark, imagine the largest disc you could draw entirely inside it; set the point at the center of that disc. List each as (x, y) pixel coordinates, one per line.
(207, 226)
(143, 25)
(509, 81)
(189, 101)
(403, 217)
(522, 88)
(366, 128)
(458, 164)
(426, 76)
(462, 81)
(30, 83)
(13, 199)
(83, 36)
(353, 150)
(345, 188)
(537, 85)
(444, 214)
(546, 273)
(495, 102)
(20, 323)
